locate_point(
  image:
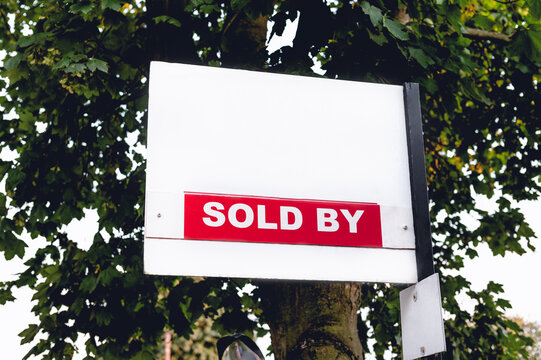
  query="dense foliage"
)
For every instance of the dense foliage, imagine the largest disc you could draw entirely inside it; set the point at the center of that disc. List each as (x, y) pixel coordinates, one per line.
(74, 105)
(533, 330)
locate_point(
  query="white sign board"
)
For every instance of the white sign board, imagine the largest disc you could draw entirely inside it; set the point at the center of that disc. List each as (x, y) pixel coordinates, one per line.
(421, 318)
(260, 175)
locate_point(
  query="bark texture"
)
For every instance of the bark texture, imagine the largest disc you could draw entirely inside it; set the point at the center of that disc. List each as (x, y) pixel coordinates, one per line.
(313, 321)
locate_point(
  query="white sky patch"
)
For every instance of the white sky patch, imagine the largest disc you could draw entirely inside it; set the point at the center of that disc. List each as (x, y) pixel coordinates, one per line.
(276, 42)
(82, 231)
(514, 271)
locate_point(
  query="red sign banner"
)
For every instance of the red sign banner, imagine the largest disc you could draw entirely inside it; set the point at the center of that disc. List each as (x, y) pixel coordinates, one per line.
(283, 221)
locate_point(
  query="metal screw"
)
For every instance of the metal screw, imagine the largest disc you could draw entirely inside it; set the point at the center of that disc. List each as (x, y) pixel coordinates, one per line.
(405, 227)
(159, 215)
(422, 350)
(415, 296)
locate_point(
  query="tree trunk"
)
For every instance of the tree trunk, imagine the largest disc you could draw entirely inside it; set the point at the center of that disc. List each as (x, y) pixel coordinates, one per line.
(312, 321)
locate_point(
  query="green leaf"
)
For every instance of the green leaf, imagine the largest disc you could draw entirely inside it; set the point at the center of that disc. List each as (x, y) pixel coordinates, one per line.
(77, 305)
(473, 91)
(504, 304)
(90, 347)
(207, 9)
(484, 22)
(12, 62)
(535, 7)
(76, 57)
(104, 317)
(237, 5)
(6, 295)
(534, 36)
(51, 269)
(96, 64)
(525, 230)
(453, 15)
(193, 5)
(378, 38)
(396, 29)
(89, 284)
(420, 56)
(12, 246)
(3, 208)
(167, 19)
(62, 63)
(29, 333)
(70, 62)
(26, 121)
(75, 68)
(494, 287)
(429, 85)
(37, 38)
(84, 7)
(112, 4)
(138, 307)
(25, 41)
(373, 12)
(4, 168)
(108, 275)
(15, 177)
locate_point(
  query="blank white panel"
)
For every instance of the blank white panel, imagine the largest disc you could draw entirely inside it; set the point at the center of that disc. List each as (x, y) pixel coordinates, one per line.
(251, 133)
(423, 333)
(278, 261)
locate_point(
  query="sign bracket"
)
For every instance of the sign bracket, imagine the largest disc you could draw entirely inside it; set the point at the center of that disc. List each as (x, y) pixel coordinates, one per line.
(422, 323)
(419, 190)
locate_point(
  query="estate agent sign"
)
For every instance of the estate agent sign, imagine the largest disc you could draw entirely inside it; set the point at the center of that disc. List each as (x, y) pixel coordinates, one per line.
(261, 175)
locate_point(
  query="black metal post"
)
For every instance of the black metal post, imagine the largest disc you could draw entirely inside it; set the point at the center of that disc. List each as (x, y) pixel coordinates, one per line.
(419, 189)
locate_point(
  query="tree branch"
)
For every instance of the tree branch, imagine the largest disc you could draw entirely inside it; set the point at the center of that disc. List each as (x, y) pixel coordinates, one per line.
(404, 18)
(486, 35)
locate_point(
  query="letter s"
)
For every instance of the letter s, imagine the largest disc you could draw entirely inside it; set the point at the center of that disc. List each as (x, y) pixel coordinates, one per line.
(211, 209)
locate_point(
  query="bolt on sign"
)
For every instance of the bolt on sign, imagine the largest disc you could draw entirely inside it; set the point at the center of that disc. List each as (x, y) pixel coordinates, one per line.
(260, 175)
